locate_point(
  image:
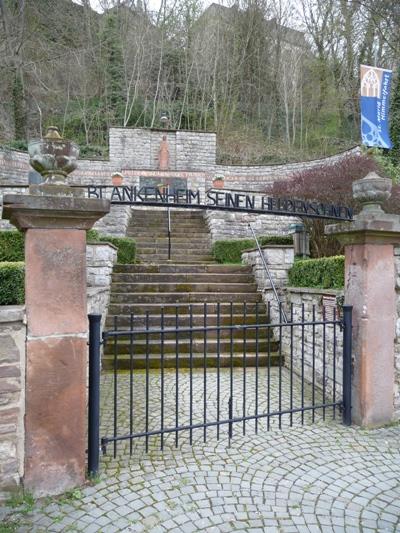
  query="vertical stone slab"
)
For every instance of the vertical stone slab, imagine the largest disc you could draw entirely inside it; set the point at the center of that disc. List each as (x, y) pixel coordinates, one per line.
(370, 282)
(55, 283)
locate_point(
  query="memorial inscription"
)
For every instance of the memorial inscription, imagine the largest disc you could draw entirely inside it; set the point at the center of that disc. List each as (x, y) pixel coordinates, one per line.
(221, 200)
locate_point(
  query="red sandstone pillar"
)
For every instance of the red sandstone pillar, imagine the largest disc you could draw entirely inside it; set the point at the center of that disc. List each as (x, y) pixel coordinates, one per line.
(370, 289)
(55, 285)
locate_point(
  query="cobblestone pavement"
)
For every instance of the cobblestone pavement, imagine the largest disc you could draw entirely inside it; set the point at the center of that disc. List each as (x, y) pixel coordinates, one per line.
(317, 477)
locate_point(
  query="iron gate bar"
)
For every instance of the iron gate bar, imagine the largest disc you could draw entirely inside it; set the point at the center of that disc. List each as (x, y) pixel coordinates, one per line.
(302, 361)
(313, 363)
(152, 433)
(162, 376)
(323, 364)
(334, 362)
(235, 327)
(131, 382)
(256, 387)
(94, 394)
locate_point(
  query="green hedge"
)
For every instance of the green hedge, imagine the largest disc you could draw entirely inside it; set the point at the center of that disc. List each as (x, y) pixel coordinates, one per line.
(11, 246)
(12, 283)
(231, 251)
(126, 246)
(323, 273)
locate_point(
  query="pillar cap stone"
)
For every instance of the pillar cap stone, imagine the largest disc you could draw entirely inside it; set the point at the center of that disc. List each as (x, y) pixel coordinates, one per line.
(53, 212)
(380, 229)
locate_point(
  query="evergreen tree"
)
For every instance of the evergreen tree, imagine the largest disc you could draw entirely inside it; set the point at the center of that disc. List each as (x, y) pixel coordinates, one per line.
(18, 102)
(114, 70)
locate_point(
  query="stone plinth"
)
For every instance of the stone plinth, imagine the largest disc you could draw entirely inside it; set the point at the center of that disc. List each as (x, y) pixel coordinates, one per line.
(55, 286)
(370, 289)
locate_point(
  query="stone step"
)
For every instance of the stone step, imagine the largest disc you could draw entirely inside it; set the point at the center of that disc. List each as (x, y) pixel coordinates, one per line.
(153, 346)
(172, 287)
(185, 297)
(189, 248)
(181, 278)
(156, 239)
(169, 361)
(157, 258)
(155, 308)
(154, 320)
(189, 268)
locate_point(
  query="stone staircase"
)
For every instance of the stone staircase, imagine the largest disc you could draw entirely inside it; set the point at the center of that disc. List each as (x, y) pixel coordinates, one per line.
(190, 240)
(189, 284)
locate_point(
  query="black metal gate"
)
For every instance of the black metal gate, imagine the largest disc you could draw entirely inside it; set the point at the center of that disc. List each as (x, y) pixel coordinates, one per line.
(235, 376)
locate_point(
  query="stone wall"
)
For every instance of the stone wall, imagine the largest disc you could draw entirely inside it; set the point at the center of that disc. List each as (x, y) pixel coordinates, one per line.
(12, 397)
(279, 259)
(100, 258)
(225, 226)
(134, 152)
(299, 301)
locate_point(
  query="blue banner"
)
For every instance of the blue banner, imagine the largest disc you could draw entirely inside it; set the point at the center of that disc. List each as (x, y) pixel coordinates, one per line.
(375, 95)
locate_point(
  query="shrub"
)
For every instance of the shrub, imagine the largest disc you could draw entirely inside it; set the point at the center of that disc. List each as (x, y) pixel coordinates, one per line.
(11, 246)
(231, 251)
(126, 248)
(92, 235)
(12, 283)
(323, 273)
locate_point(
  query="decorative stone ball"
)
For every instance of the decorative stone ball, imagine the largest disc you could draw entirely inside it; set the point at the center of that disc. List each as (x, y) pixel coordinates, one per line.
(372, 191)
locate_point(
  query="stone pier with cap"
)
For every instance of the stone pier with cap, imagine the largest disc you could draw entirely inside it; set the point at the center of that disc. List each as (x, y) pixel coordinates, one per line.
(370, 289)
(55, 221)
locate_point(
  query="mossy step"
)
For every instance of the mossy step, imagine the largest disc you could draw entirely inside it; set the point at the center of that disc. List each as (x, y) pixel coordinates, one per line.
(177, 268)
(154, 321)
(155, 308)
(225, 361)
(119, 277)
(184, 297)
(162, 287)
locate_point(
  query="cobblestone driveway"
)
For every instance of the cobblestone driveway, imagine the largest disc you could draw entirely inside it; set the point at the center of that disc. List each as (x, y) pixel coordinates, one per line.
(320, 477)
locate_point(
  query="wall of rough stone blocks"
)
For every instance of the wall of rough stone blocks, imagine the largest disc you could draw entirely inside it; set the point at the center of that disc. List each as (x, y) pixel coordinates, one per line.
(225, 226)
(100, 259)
(12, 397)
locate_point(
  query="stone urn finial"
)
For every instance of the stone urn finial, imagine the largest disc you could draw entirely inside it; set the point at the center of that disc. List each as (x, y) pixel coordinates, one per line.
(54, 158)
(372, 191)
